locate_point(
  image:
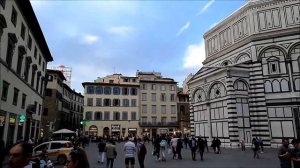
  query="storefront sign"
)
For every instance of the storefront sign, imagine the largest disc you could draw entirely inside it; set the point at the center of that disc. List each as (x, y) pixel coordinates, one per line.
(132, 129)
(115, 128)
(2, 121)
(12, 120)
(163, 131)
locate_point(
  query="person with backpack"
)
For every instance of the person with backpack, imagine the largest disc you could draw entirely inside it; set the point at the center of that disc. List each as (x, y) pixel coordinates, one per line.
(141, 152)
(163, 147)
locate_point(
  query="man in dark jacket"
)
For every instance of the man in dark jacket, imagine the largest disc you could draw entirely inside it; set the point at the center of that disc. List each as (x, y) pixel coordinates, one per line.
(201, 146)
(101, 147)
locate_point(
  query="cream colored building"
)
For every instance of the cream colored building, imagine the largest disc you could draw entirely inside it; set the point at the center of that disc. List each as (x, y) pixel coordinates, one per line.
(23, 61)
(249, 85)
(158, 104)
(111, 106)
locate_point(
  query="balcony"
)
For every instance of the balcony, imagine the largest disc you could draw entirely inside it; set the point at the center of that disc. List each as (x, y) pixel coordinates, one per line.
(158, 124)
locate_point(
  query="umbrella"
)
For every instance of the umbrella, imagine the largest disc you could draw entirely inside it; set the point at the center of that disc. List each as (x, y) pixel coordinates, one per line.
(63, 131)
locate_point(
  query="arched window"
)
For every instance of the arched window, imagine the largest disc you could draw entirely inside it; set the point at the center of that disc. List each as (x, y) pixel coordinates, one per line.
(273, 65)
(199, 96)
(276, 86)
(284, 85)
(107, 90)
(268, 87)
(90, 90)
(297, 84)
(99, 90)
(242, 58)
(225, 63)
(217, 90)
(240, 85)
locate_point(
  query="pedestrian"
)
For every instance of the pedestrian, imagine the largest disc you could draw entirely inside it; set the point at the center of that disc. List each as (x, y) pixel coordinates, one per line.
(214, 144)
(186, 140)
(141, 152)
(3, 152)
(261, 144)
(77, 159)
(201, 145)
(284, 154)
(242, 143)
(205, 144)
(111, 154)
(20, 155)
(178, 148)
(255, 148)
(157, 147)
(295, 156)
(193, 147)
(129, 150)
(163, 147)
(173, 144)
(101, 149)
(218, 145)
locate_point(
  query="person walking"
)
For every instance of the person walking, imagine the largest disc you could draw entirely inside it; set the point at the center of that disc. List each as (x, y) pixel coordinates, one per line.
(129, 150)
(193, 147)
(157, 147)
(218, 145)
(101, 150)
(111, 154)
(186, 141)
(201, 145)
(214, 144)
(261, 144)
(206, 145)
(242, 143)
(255, 148)
(173, 144)
(284, 154)
(141, 151)
(178, 148)
(163, 147)
(295, 156)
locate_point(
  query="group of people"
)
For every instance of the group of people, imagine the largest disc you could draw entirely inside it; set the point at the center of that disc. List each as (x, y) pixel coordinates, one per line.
(287, 155)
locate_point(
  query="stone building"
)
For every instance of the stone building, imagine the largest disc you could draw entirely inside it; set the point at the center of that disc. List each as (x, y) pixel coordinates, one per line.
(23, 61)
(183, 110)
(249, 85)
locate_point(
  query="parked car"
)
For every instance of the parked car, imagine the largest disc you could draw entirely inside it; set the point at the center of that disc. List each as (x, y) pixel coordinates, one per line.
(56, 150)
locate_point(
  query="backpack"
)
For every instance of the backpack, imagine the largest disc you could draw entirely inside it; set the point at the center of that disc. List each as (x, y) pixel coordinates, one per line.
(163, 143)
(143, 150)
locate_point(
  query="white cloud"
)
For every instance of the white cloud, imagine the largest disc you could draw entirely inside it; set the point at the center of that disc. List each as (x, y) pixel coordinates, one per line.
(90, 39)
(206, 6)
(122, 31)
(194, 55)
(183, 28)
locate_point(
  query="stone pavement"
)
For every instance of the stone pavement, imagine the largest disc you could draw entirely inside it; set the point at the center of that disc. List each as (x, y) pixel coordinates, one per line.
(229, 158)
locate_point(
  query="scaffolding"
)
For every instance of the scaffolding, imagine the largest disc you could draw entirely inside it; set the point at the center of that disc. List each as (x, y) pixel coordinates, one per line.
(67, 71)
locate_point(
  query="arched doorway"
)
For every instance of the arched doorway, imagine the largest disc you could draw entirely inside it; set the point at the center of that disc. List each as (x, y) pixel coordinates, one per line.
(105, 132)
(93, 130)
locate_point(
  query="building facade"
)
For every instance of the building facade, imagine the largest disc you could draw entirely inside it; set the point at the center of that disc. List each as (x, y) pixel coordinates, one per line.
(183, 110)
(249, 85)
(158, 104)
(111, 106)
(63, 107)
(23, 60)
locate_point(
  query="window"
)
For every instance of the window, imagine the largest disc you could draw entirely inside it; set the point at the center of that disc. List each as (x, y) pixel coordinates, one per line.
(107, 90)
(88, 115)
(98, 115)
(163, 97)
(99, 90)
(116, 102)
(106, 115)
(40, 107)
(144, 86)
(111, 81)
(23, 30)
(10, 52)
(106, 102)
(144, 120)
(153, 97)
(49, 92)
(5, 88)
(133, 115)
(144, 96)
(173, 109)
(172, 87)
(163, 109)
(43, 68)
(144, 108)
(40, 59)
(35, 53)
(124, 115)
(133, 102)
(162, 87)
(116, 116)
(14, 16)
(35, 106)
(27, 67)
(173, 119)
(90, 90)
(125, 102)
(89, 101)
(98, 101)
(153, 87)
(116, 91)
(29, 44)
(124, 91)
(133, 91)
(153, 109)
(163, 120)
(273, 67)
(172, 97)
(21, 52)
(16, 95)
(45, 112)
(56, 145)
(23, 100)
(154, 120)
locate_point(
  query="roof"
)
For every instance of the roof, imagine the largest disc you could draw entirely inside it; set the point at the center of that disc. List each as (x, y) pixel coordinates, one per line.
(29, 15)
(58, 72)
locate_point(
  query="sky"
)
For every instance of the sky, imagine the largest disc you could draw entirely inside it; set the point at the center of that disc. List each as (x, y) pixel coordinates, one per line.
(97, 38)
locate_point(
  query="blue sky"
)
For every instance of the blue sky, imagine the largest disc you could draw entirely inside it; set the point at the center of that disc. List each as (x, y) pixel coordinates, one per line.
(99, 38)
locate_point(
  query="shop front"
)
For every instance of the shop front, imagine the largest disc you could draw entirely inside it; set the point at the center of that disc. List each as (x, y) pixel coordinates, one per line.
(115, 130)
(11, 128)
(2, 124)
(132, 132)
